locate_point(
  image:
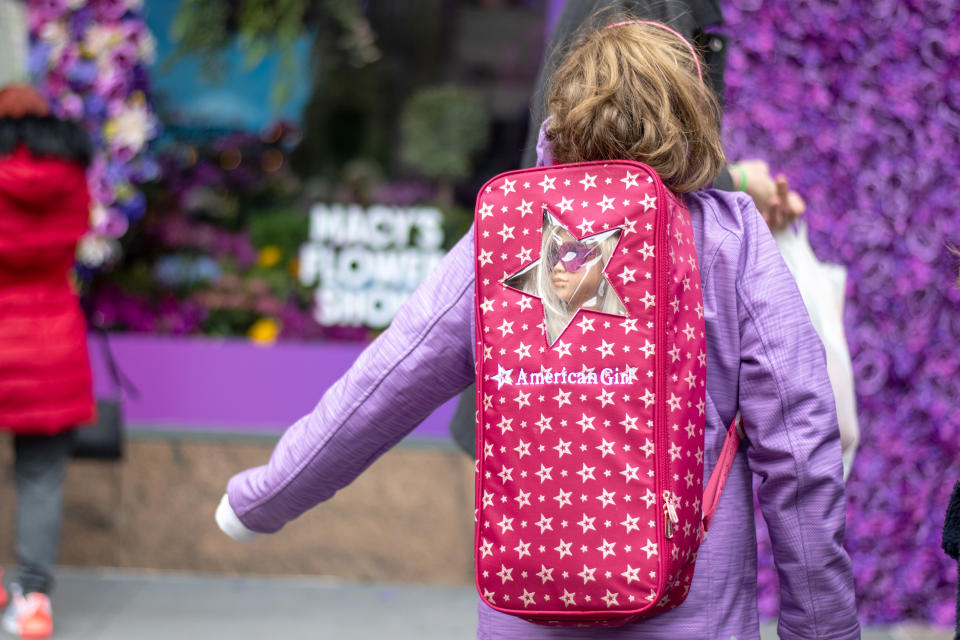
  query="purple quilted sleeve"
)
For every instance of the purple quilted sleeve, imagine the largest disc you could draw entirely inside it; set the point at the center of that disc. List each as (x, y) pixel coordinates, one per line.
(791, 422)
(422, 360)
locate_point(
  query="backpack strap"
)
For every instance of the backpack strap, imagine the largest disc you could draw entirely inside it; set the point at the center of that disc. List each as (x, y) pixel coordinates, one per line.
(711, 495)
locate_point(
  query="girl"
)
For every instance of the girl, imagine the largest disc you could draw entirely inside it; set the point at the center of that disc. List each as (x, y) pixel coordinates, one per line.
(45, 383)
(632, 91)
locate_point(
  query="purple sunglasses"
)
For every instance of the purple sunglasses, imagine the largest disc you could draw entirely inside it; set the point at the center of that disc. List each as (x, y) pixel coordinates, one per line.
(573, 255)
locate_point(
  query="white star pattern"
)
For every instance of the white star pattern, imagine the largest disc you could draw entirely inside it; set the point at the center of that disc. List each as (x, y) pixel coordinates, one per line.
(522, 549)
(503, 376)
(586, 422)
(607, 498)
(607, 548)
(527, 598)
(650, 548)
(586, 523)
(605, 398)
(544, 473)
(522, 399)
(563, 498)
(545, 574)
(631, 523)
(630, 180)
(631, 574)
(610, 599)
(606, 448)
(587, 574)
(544, 523)
(629, 423)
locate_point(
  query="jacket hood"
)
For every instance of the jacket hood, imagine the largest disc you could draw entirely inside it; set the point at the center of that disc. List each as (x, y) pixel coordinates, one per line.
(37, 182)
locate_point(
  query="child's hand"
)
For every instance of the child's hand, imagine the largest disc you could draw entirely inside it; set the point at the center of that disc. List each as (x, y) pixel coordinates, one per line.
(778, 205)
(784, 207)
(753, 177)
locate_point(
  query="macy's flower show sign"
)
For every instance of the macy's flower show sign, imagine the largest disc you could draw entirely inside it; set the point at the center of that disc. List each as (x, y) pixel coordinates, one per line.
(366, 261)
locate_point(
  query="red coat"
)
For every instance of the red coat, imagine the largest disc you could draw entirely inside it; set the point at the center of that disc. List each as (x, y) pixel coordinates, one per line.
(45, 381)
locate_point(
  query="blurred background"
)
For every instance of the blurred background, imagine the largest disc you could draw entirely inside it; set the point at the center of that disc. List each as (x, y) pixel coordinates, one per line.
(273, 177)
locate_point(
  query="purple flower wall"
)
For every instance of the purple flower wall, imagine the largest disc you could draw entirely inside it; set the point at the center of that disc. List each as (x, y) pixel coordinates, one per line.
(858, 103)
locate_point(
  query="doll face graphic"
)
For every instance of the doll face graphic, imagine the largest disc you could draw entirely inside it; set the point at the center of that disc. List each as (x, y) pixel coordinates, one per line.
(574, 265)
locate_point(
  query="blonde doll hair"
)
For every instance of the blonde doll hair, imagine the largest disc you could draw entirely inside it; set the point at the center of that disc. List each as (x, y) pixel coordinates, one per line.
(558, 312)
(633, 92)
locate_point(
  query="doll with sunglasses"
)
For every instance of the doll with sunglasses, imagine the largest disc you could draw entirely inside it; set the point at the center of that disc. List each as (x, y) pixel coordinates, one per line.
(570, 275)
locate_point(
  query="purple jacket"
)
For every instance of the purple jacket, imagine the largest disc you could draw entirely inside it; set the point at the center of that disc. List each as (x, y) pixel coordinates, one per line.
(763, 357)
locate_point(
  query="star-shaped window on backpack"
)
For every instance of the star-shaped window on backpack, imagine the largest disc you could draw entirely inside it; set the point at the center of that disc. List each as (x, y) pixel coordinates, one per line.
(569, 276)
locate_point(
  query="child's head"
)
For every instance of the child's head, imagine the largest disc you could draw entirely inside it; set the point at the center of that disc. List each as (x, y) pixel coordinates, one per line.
(633, 92)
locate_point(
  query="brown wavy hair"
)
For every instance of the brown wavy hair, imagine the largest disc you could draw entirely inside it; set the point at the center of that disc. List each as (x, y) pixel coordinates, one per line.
(632, 92)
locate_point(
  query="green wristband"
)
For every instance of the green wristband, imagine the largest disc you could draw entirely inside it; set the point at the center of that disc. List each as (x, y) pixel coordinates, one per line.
(743, 178)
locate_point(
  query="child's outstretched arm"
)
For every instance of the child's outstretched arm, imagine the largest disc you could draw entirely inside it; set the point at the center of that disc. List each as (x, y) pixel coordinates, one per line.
(790, 419)
(422, 360)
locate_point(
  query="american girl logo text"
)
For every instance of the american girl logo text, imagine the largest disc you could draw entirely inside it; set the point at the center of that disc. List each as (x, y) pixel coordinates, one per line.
(607, 376)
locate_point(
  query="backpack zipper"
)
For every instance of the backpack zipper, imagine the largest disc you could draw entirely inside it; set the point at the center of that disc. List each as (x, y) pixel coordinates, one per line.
(661, 361)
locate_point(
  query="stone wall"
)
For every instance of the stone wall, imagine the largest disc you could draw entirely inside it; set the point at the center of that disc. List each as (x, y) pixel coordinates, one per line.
(407, 519)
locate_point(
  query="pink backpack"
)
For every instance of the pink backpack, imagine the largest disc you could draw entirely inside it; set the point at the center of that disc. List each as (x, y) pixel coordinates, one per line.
(591, 363)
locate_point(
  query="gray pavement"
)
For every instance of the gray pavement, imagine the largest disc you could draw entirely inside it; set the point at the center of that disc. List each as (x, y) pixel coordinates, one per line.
(136, 605)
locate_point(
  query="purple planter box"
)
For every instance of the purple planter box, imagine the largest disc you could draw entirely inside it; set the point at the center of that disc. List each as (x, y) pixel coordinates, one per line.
(209, 385)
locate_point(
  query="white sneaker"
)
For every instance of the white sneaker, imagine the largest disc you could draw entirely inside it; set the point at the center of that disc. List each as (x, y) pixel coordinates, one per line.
(28, 616)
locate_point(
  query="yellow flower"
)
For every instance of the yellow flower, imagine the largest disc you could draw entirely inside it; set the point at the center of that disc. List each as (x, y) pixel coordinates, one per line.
(270, 255)
(264, 331)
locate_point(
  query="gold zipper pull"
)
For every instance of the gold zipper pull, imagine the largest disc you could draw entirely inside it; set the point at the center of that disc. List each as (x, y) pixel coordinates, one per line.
(670, 519)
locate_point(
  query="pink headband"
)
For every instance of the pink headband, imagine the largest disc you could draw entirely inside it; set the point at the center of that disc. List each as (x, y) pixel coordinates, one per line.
(659, 25)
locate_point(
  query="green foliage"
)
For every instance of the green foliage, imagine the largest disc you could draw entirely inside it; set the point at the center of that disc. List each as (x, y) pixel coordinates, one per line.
(207, 27)
(201, 27)
(456, 222)
(285, 229)
(443, 127)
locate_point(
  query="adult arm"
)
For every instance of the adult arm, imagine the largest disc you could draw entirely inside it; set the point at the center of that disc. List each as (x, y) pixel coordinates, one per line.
(791, 422)
(422, 360)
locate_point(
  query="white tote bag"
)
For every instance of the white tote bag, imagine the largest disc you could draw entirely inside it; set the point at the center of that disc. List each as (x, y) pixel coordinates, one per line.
(823, 288)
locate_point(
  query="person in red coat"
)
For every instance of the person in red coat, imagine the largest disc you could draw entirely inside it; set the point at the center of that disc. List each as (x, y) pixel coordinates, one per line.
(45, 380)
